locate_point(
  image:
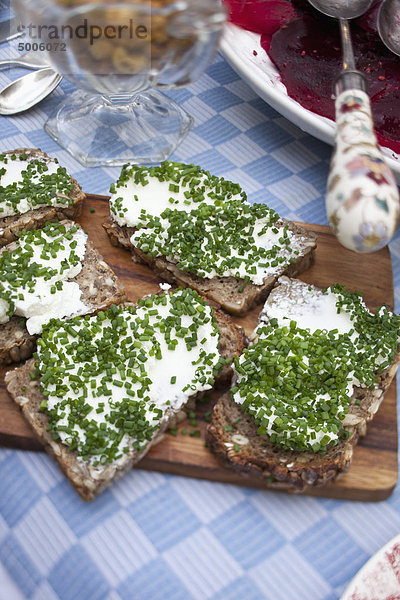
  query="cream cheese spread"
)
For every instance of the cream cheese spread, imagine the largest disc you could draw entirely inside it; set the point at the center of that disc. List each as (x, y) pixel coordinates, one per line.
(202, 223)
(28, 182)
(155, 197)
(163, 359)
(311, 349)
(308, 307)
(43, 262)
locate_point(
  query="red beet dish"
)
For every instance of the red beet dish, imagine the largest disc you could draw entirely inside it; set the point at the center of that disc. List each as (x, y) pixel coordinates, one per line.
(305, 48)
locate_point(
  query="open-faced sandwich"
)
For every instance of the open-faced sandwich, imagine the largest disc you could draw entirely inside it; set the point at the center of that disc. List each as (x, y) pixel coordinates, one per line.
(305, 388)
(34, 189)
(199, 231)
(102, 389)
(53, 272)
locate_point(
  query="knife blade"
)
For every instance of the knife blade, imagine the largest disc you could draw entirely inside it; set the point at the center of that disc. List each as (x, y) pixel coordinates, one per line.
(9, 29)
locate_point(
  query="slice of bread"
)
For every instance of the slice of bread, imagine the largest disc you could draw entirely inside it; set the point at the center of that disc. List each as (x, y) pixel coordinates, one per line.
(233, 295)
(36, 218)
(199, 231)
(100, 288)
(87, 480)
(233, 433)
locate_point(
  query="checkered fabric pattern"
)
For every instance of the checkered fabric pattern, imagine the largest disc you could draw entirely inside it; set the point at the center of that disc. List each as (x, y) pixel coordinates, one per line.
(159, 537)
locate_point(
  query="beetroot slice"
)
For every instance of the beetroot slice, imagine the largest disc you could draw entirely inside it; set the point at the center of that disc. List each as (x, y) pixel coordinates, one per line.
(305, 48)
(386, 113)
(308, 55)
(374, 60)
(368, 20)
(260, 16)
(265, 42)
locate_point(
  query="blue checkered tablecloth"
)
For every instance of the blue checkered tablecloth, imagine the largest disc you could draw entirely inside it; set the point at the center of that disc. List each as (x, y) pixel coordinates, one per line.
(160, 537)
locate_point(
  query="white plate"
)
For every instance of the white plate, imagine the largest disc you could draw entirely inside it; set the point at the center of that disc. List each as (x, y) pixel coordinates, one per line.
(243, 51)
(379, 578)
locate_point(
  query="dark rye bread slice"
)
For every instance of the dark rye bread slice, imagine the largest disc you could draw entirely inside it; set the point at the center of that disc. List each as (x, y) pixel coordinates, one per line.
(232, 436)
(35, 219)
(280, 469)
(84, 479)
(100, 288)
(232, 294)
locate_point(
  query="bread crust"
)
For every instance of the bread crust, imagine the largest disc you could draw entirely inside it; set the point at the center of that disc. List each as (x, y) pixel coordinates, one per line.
(87, 481)
(232, 436)
(35, 219)
(223, 290)
(100, 288)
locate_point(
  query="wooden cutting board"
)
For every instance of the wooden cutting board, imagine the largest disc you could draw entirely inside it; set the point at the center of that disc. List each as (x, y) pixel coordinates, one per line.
(373, 473)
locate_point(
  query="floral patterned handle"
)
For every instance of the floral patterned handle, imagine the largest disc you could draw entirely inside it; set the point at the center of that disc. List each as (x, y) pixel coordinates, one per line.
(362, 199)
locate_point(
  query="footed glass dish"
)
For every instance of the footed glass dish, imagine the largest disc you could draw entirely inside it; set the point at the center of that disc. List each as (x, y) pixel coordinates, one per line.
(120, 55)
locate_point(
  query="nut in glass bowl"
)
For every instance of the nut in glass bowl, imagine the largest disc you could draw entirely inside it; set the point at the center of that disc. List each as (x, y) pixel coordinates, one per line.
(120, 55)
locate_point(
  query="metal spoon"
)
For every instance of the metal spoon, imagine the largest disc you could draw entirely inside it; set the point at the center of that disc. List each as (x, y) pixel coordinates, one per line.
(25, 92)
(389, 24)
(362, 199)
(29, 60)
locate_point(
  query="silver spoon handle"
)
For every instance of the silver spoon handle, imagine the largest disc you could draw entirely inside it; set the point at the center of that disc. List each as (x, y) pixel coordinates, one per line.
(29, 60)
(349, 78)
(25, 64)
(347, 48)
(362, 199)
(9, 62)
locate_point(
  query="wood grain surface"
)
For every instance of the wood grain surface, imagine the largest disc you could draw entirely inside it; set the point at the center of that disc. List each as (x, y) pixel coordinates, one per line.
(373, 473)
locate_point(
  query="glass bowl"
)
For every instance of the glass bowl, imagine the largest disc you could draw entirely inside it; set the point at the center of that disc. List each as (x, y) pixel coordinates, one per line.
(120, 55)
